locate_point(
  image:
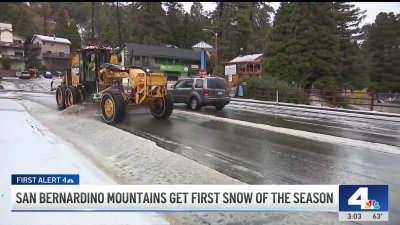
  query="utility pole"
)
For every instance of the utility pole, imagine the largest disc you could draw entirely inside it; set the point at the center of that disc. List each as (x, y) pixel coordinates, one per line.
(216, 45)
(45, 20)
(92, 22)
(119, 26)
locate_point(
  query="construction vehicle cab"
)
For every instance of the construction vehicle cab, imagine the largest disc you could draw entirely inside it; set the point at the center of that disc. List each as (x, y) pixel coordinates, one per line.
(96, 76)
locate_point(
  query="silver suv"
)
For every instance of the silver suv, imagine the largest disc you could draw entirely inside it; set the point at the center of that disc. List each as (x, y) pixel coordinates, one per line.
(201, 91)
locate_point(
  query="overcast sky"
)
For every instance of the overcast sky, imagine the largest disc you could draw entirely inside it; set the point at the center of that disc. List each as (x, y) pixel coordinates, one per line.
(373, 8)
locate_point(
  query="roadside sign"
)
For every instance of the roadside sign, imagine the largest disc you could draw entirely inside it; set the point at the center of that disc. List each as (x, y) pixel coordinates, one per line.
(230, 69)
(202, 72)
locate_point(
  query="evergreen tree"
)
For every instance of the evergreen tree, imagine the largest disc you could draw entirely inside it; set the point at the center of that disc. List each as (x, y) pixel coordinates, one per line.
(197, 22)
(74, 36)
(174, 23)
(62, 26)
(150, 23)
(302, 46)
(107, 34)
(352, 67)
(383, 45)
(24, 26)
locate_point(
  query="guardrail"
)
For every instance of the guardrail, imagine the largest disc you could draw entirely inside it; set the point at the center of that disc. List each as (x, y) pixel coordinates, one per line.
(273, 106)
(326, 98)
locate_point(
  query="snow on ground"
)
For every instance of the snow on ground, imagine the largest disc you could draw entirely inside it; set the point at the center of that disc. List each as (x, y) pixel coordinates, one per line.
(34, 84)
(27, 147)
(8, 85)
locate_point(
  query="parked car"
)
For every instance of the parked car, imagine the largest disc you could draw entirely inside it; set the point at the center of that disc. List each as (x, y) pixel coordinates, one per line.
(201, 91)
(47, 74)
(24, 75)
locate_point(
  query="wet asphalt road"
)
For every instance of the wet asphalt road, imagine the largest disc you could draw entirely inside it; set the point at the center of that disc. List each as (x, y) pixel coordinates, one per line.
(257, 156)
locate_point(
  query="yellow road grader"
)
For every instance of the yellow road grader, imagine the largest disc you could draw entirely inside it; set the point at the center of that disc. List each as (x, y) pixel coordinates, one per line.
(95, 75)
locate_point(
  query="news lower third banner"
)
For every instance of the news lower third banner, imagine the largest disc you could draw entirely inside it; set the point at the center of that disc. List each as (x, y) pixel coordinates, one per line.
(62, 193)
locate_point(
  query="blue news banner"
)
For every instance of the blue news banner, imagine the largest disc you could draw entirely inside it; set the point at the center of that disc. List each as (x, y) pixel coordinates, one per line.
(45, 179)
(363, 202)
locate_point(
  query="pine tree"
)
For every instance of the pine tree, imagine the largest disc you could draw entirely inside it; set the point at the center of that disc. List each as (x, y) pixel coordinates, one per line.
(383, 46)
(348, 18)
(150, 23)
(302, 46)
(107, 34)
(174, 23)
(61, 29)
(24, 26)
(74, 36)
(197, 22)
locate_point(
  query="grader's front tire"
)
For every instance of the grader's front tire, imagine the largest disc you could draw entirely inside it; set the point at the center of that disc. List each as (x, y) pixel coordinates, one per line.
(60, 97)
(112, 107)
(162, 108)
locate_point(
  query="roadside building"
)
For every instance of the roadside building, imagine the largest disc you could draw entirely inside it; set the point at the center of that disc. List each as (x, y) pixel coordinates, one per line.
(53, 52)
(248, 65)
(175, 62)
(12, 47)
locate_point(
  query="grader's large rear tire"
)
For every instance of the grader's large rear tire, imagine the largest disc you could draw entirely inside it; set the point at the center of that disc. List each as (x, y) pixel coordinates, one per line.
(60, 97)
(72, 96)
(162, 108)
(112, 107)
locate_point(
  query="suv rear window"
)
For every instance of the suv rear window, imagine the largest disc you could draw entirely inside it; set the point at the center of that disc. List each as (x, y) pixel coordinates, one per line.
(216, 84)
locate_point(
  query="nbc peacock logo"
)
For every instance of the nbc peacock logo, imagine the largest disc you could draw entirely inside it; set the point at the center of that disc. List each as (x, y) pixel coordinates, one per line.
(372, 204)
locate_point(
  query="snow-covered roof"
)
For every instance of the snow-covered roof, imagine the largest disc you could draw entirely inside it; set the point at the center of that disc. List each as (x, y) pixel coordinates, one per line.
(246, 58)
(51, 39)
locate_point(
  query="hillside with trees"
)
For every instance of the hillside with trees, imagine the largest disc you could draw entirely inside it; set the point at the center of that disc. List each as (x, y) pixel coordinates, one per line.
(319, 43)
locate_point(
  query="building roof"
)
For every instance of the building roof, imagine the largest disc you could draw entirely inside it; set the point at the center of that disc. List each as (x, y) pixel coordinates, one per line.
(140, 49)
(246, 58)
(51, 39)
(202, 45)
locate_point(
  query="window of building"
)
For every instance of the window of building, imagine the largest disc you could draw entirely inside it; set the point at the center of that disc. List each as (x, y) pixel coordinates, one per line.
(52, 44)
(19, 53)
(137, 58)
(48, 52)
(160, 60)
(44, 43)
(145, 61)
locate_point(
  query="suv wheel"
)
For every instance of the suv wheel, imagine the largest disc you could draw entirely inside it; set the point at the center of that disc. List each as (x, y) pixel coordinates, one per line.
(219, 107)
(194, 103)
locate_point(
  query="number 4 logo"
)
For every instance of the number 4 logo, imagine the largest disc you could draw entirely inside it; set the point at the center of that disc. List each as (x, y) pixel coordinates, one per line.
(360, 197)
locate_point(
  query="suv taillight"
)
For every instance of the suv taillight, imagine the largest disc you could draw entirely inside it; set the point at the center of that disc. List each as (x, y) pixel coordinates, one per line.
(205, 92)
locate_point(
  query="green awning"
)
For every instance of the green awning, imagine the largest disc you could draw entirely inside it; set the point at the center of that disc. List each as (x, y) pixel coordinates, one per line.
(174, 68)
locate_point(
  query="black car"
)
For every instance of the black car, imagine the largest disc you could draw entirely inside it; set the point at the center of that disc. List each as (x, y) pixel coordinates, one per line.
(201, 91)
(47, 74)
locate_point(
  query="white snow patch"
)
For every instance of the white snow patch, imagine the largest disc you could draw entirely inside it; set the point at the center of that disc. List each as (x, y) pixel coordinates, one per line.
(8, 85)
(27, 147)
(305, 134)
